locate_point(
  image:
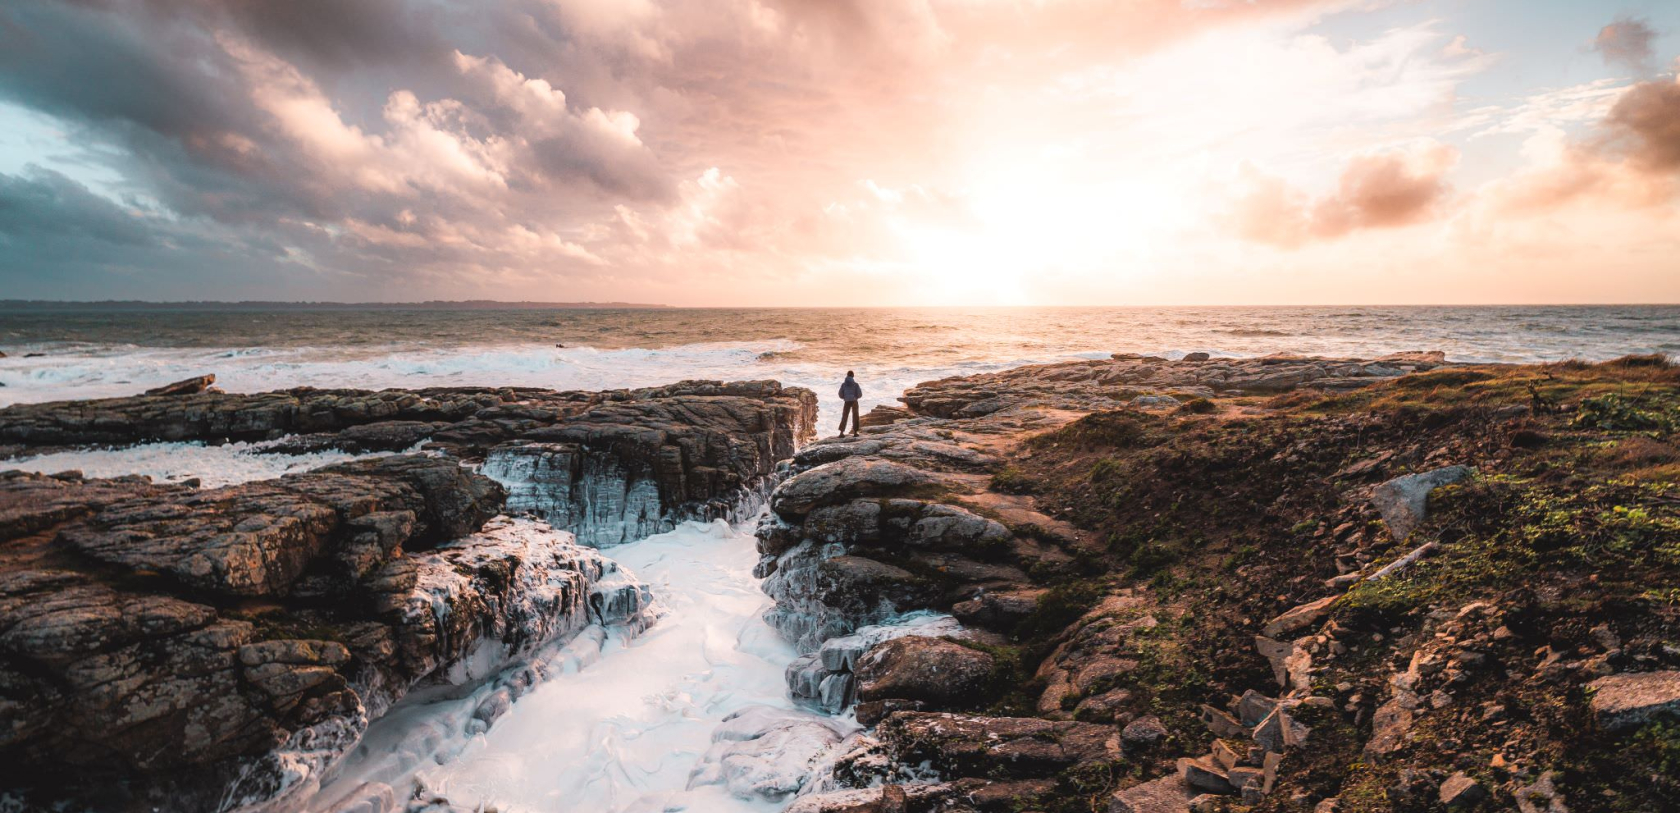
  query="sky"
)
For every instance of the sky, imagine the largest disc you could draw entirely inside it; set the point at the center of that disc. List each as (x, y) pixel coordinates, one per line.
(842, 152)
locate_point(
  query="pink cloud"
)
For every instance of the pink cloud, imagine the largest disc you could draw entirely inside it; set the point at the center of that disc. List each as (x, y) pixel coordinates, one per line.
(1377, 190)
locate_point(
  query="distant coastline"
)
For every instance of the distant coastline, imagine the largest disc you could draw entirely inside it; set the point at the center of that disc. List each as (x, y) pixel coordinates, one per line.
(264, 305)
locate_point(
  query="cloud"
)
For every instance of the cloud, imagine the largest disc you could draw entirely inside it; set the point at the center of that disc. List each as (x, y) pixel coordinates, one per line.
(680, 149)
(58, 238)
(1629, 159)
(340, 34)
(1626, 42)
(44, 202)
(1645, 124)
(447, 142)
(1379, 190)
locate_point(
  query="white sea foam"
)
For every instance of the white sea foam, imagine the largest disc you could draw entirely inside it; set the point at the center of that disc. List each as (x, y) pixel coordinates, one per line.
(214, 466)
(627, 731)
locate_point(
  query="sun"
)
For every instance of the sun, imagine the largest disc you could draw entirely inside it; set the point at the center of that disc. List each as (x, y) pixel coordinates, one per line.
(1027, 221)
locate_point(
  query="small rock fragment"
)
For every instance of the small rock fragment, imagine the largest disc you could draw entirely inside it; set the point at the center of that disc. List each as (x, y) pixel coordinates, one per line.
(1144, 732)
(1461, 791)
(1632, 699)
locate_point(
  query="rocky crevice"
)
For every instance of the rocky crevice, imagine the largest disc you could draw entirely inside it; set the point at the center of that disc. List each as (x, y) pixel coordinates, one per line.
(225, 648)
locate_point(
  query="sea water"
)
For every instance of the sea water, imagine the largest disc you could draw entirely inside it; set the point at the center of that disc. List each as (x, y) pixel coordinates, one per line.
(101, 353)
(213, 465)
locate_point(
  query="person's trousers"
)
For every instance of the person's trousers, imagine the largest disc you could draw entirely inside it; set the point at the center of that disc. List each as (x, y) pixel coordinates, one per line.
(851, 409)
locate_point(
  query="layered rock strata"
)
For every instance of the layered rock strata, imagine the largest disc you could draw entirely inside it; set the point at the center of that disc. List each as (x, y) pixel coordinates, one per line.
(611, 466)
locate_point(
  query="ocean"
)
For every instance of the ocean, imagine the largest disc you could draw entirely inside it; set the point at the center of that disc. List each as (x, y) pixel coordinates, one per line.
(91, 353)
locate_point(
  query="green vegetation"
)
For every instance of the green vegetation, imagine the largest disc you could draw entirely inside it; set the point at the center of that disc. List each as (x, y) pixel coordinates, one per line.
(1613, 412)
(1011, 480)
(1198, 406)
(1057, 608)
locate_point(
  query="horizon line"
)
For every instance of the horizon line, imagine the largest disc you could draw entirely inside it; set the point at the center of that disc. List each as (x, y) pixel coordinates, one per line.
(493, 304)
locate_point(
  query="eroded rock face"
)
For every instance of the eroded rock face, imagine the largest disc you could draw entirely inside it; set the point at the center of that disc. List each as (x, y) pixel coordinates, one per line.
(465, 421)
(215, 416)
(827, 678)
(142, 666)
(839, 561)
(624, 470)
(257, 539)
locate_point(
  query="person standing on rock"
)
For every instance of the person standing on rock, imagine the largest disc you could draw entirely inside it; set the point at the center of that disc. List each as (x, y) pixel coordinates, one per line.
(850, 392)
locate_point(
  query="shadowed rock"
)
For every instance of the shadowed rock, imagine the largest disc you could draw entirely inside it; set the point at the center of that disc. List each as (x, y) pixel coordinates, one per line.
(191, 386)
(995, 747)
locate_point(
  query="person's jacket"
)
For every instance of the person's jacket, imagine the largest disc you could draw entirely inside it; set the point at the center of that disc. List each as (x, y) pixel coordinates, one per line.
(850, 391)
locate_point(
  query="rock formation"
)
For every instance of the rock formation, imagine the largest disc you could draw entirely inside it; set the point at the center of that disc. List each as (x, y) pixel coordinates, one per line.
(165, 645)
(1218, 584)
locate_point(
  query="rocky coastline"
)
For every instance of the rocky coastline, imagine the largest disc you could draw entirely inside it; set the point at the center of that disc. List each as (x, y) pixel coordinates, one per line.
(1280, 584)
(1134, 585)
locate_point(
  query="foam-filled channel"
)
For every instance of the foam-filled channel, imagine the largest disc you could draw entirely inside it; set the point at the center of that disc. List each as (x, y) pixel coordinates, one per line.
(626, 732)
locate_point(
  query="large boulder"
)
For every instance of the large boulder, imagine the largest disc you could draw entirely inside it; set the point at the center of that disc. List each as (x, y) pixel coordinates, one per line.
(944, 674)
(1403, 501)
(842, 481)
(994, 747)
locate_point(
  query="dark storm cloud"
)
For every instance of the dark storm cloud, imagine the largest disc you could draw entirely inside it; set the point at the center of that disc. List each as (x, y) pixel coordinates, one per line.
(161, 92)
(58, 238)
(89, 64)
(48, 203)
(341, 34)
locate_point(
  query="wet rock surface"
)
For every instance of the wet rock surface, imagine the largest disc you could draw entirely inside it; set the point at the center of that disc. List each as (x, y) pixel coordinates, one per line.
(162, 644)
(955, 745)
